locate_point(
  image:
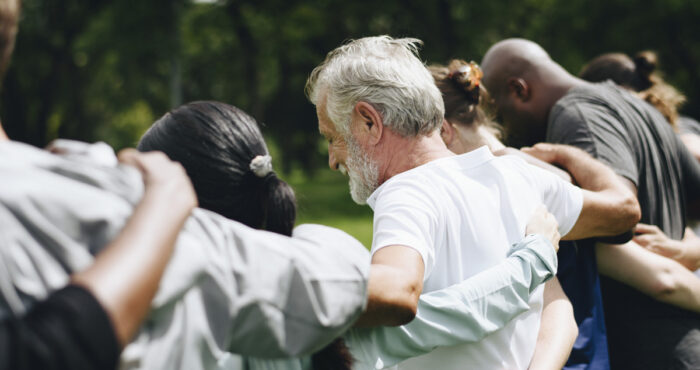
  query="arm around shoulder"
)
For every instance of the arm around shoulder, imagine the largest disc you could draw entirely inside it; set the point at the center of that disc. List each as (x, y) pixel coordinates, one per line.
(610, 205)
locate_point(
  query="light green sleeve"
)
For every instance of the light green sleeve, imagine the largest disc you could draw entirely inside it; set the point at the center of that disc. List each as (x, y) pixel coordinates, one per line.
(464, 312)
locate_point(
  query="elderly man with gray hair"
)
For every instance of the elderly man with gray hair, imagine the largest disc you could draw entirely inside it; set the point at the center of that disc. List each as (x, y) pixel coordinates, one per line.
(441, 218)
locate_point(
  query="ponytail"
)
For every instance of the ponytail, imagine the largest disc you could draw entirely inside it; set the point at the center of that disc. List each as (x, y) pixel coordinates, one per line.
(278, 204)
(645, 64)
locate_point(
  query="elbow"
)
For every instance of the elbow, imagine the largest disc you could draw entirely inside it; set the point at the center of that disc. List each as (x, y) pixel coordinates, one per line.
(664, 285)
(630, 214)
(405, 313)
(407, 307)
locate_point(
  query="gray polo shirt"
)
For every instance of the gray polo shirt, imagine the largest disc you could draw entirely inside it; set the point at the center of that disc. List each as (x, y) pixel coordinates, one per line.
(227, 287)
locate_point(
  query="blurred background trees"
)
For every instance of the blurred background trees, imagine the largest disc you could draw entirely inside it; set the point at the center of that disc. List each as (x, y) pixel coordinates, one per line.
(105, 70)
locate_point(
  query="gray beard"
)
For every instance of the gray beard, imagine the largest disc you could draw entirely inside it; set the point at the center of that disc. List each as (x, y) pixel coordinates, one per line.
(363, 173)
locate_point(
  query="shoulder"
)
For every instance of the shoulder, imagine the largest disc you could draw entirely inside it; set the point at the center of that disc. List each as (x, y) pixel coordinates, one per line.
(410, 188)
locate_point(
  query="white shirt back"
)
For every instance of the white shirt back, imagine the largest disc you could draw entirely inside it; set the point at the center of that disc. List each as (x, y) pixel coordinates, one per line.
(462, 214)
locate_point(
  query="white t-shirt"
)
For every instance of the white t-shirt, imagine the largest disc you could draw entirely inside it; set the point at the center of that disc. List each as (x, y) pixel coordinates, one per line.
(462, 214)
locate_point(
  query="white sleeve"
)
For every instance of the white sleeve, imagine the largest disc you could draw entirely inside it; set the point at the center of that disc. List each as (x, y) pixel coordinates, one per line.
(404, 215)
(561, 198)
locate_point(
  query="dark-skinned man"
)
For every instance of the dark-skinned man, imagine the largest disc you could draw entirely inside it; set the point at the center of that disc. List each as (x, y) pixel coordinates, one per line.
(538, 100)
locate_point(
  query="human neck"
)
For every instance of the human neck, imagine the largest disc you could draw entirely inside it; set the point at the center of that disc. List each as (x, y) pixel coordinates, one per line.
(408, 153)
(469, 138)
(558, 84)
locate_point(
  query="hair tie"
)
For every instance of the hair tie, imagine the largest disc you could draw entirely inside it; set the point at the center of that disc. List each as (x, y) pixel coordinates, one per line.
(467, 76)
(261, 165)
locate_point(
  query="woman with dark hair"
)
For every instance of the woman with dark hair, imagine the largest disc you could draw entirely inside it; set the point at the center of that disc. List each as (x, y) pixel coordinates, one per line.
(467, 126)
(225, 155)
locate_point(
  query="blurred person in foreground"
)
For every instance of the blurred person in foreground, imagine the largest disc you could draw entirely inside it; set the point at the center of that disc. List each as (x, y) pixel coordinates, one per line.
(441, 218)
(468, 126)
(86, 323)
(226, 288)
(539, 100)
(223, 151)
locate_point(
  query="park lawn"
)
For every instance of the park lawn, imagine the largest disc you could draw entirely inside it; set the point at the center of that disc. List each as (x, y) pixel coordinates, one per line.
(325, 199)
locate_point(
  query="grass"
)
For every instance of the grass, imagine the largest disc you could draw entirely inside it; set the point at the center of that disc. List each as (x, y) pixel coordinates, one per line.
(325, 199)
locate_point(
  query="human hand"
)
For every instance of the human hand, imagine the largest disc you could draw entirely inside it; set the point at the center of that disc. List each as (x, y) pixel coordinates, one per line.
(542, 222)
(545, 152)
(653, 239)
(162, 178)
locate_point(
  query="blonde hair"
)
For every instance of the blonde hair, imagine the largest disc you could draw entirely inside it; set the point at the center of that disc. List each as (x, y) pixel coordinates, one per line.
(464, 105)
(9, 16)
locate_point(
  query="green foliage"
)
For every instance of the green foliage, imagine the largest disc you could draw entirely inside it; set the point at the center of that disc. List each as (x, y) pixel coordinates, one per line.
(325, 199)
(100, 70)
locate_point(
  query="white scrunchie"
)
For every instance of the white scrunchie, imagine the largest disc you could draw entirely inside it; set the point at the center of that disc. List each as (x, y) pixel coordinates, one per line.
(261, 165)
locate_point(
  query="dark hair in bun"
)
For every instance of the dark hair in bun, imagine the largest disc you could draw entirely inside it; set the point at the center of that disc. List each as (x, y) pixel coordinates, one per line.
(638, 74)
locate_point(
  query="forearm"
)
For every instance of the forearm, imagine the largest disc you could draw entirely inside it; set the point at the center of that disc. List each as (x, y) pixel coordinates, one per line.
(690, 256)
(659, 277)
(465, 312)
(610, 204)
(558, 329)
(125, 276)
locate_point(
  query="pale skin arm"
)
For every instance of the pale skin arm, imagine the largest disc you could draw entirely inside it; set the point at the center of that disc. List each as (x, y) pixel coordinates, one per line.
(125, 275)
(659, 277)
(395, 285)
(610, 207)
(558, 329)
(685, 252)
(656, 276)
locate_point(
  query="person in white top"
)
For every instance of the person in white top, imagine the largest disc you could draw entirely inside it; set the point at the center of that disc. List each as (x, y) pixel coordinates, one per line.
(440, 218)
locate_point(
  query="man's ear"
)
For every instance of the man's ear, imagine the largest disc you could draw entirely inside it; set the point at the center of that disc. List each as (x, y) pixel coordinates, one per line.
(447, 132)
(519, 88)
(368, 122)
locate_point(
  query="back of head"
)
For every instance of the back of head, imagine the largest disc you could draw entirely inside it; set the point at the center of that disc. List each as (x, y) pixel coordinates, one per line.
(225, 155)
(637, 74)
(464, 97)
(512, 58)
(385, 73)
(9, 17)
(621, 69)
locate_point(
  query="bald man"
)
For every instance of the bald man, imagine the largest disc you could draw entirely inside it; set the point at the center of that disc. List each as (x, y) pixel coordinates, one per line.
(539, 100)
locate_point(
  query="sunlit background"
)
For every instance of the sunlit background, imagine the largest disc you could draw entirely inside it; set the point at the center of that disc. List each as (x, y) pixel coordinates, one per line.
(105, 70)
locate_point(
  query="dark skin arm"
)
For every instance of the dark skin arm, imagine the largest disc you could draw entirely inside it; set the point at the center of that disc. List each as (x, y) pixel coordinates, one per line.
(125, 275)
(610, 207)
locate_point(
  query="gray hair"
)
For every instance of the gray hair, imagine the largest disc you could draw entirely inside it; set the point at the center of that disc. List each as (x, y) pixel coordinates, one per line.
(385, 73)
